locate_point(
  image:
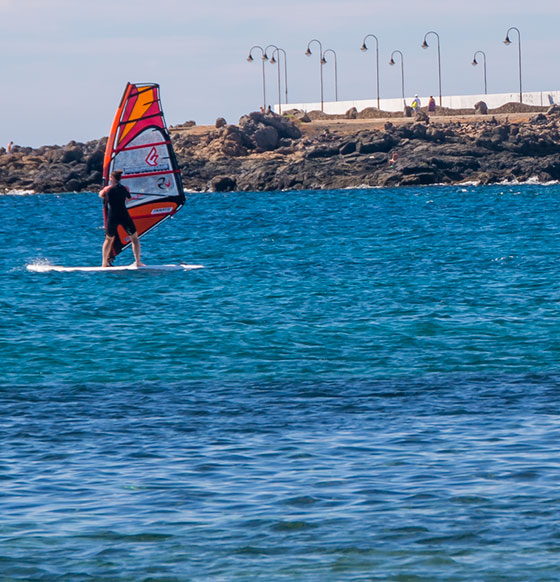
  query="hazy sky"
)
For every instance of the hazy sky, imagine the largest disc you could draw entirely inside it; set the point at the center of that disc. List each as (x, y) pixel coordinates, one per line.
(65, 63)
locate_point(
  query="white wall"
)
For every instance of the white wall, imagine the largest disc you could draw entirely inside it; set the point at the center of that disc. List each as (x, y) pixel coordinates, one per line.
(493, 101)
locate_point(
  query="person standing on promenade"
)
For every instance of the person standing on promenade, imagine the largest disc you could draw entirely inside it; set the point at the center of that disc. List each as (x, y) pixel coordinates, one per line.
(114, 199)
(431, 105)
(415, 104)
(10, 147)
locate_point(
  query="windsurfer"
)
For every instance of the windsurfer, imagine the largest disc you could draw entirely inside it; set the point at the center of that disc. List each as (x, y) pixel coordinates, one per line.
(114, 198)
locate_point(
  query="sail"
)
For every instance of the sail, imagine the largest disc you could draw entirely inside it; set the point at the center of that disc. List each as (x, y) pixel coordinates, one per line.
(140, 146)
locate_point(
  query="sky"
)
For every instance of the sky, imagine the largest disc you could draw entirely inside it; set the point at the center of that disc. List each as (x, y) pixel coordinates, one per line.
(64, 63)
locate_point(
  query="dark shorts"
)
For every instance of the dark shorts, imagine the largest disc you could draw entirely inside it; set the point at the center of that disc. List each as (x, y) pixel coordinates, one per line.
(124, 220)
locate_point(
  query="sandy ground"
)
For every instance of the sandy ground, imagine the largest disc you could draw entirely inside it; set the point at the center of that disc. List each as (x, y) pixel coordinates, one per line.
(349, 126)
(346, 126)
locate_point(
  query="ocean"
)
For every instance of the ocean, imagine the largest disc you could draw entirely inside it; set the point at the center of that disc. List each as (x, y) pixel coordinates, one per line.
(360, 385)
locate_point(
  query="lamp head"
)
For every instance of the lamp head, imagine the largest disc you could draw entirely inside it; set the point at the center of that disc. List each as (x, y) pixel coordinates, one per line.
(308, 52)
(474, 62)
(250, 58)
(272, 60)
(425, 45)
(323, 61)
(392, 62)
(364, 47)
(507, 41)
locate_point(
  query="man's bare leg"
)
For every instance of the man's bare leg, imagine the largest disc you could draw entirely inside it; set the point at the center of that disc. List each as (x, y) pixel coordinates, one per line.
(107, 246)
(136, 250)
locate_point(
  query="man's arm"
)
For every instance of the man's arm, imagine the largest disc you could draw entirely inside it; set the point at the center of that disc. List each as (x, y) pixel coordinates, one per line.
(103, 192)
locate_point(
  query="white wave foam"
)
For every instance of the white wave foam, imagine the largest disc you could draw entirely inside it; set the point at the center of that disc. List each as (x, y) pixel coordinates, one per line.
(18, 192)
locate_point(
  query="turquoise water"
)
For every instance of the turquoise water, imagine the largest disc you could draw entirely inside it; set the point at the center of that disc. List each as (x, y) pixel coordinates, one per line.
(360, 385)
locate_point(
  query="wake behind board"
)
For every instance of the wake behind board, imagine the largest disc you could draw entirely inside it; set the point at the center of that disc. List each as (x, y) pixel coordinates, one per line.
(61, 269)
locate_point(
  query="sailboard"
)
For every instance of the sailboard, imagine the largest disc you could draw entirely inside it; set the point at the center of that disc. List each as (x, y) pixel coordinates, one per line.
(139, 145)
(42, 268)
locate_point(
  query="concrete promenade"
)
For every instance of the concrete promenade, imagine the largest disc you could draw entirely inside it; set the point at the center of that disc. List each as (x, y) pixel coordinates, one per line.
(539, 98)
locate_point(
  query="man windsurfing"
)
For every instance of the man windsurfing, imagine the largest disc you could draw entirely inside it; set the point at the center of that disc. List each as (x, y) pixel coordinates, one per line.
(114, 198)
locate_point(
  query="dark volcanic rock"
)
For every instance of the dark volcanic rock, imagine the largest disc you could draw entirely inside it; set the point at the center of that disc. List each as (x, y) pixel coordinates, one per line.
(284, 126)
(418, 131)
(74, 154)
(481, 108)
(268, 152)
(322, 152)
(348, 148)
(265, 138)
(419, 179)
(382, 143)
(94, 161)
(422, 117)
(223, 184)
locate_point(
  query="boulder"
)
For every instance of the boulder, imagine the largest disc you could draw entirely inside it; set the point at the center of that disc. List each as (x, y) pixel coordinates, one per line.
(284, 126)
(418, 131)
(54, 155)
(94, 162)
(223, 184)
(422, 117)
(73, 185)
(481, 108)
(94, 177)
(233, 141)
(376, 144)
(73, 154)
(348, 148)
(322, 152)
(220, 122)
(419, 179)
(265, 138)
(352, 113)
(298, 115)
(435, 134)
(539, 118)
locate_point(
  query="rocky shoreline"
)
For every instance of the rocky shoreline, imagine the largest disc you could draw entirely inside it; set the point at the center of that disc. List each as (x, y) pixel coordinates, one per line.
(266, 152)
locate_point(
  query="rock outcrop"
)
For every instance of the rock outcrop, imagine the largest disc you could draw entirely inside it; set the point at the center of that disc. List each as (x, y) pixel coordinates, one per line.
(265, 151)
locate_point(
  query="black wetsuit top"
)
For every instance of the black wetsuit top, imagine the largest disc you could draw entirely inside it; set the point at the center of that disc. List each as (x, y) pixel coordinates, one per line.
(117, 213)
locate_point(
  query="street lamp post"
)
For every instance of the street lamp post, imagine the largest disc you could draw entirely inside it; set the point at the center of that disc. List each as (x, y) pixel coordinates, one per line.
(321, 63)
(475, 62)
(507, 41)
(392, 62)
(273, 61)
(250, 59)
(279, 50)
(425, 45)
(335, 71)
(365, 48)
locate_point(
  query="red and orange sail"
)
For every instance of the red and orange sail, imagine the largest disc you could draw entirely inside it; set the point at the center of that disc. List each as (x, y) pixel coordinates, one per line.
(140, 146)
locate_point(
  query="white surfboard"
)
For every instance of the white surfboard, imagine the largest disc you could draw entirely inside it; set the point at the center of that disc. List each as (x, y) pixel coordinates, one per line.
(41, 268)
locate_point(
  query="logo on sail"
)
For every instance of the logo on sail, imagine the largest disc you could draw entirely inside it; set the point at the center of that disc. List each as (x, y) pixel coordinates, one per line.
(162, 210)
(152, 157)
(163, 184)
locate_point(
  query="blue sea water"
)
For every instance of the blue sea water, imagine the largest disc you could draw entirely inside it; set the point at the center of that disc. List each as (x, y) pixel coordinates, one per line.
(360, 385)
